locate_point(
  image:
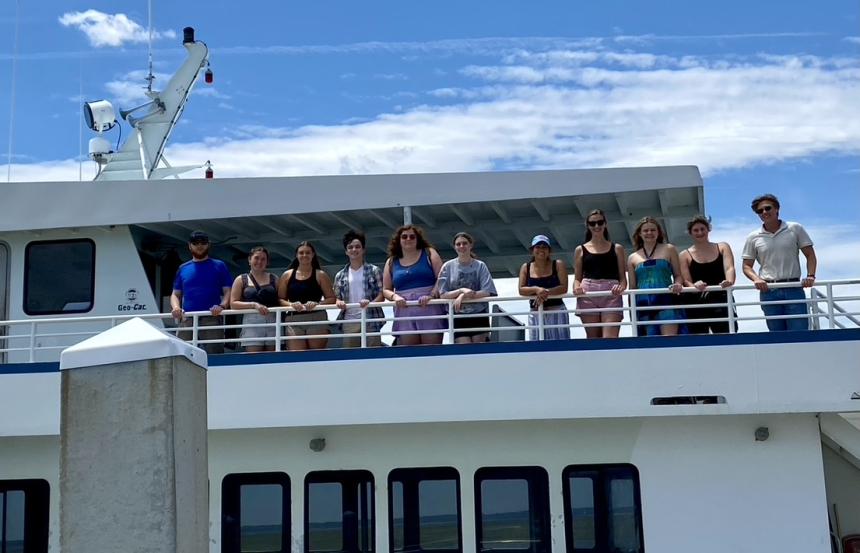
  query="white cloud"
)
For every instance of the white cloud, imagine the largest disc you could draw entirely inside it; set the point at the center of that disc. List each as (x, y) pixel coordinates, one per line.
(130, 89)
(104, 29)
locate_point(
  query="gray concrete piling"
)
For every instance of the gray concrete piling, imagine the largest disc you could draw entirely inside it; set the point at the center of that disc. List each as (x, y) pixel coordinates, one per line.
(133, 452)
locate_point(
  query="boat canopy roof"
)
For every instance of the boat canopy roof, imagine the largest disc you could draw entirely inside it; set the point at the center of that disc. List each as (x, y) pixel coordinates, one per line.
(502, 210)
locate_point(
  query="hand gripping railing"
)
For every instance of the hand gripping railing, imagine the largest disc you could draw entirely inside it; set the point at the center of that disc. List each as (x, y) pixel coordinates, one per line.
(838, 305)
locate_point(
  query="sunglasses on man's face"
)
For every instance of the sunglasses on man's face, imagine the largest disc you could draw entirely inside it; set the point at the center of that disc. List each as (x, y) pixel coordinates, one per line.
(199, 242)
(408, 236)
(763, 209)
(597, 223)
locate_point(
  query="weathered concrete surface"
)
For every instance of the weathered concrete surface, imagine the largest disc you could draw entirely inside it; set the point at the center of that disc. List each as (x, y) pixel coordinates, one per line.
(133, 458)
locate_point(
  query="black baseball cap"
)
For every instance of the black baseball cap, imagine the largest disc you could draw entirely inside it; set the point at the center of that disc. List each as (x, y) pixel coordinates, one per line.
(198, 236)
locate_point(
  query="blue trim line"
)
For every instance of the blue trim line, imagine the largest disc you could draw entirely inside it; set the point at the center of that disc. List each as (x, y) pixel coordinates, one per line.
(579, 344)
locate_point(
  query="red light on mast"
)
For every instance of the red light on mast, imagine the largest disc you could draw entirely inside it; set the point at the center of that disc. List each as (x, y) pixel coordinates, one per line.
(208, 76)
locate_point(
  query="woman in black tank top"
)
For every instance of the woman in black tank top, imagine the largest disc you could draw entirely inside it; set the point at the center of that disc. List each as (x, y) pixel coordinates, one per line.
(704, 264)
(303, 287)
(598, 266)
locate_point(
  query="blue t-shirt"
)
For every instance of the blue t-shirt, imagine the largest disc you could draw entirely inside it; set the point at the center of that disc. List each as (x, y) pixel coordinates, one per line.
(202, 283)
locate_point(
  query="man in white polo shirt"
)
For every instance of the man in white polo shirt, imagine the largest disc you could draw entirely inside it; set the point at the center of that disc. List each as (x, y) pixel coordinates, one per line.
(776, 246)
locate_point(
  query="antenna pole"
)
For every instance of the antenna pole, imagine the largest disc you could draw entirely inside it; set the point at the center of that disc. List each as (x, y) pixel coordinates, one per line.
(150, 77)
(12, 95)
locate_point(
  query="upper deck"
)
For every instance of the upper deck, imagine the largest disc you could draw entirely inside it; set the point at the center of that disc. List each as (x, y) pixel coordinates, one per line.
(503, 210)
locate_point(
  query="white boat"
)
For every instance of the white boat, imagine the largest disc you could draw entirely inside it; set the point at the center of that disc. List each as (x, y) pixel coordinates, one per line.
(738, 442)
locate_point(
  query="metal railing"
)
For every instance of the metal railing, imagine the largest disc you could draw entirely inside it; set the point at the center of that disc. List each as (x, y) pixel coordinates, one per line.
(831, 304)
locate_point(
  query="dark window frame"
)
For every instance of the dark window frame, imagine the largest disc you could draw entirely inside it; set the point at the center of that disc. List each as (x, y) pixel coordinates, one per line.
(348, 479)
(231, 507)
(539, 510)
(27, 268)
(601, 476)
(37, 517)
(412, 526)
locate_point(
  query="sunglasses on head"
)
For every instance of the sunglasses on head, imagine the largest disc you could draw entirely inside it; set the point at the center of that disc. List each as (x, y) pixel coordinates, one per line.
(408, 236)
(763, 208)
(597, 223)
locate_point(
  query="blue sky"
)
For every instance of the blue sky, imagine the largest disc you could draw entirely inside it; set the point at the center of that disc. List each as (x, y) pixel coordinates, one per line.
(762, 96)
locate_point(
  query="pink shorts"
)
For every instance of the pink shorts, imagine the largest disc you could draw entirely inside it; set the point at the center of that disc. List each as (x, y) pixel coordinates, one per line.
(603, 302)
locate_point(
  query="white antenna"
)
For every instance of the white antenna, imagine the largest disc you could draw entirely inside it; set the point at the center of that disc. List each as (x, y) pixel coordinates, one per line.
(12, 95)
(80, 126)
(150, 77)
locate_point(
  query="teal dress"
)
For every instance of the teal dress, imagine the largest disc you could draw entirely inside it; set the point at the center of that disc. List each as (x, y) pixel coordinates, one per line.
(655, 273)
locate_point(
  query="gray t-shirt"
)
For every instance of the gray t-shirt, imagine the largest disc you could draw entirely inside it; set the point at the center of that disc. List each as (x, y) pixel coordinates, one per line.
(474, 276)
(777, 252)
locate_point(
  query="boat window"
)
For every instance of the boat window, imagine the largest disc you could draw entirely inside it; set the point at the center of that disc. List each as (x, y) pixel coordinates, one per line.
(512, 509)
(425, 510)
(339, 512)
(602, 509)
(255, 513)
(48, 293)
(24, 516)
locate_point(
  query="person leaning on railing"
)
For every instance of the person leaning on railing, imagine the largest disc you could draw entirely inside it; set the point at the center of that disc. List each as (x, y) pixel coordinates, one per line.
(410, 274)
(358, 282)
(599, 266)
(202, 284)
(541, 277)
(775, 246)
(704, 264)
(256, 289)
(304, 286)
(467, 278)
(655, 265)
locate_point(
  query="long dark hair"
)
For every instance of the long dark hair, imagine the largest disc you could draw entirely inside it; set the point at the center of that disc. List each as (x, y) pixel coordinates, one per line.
(637, 238)
(315, 262)
(592, 213)
(395, 250)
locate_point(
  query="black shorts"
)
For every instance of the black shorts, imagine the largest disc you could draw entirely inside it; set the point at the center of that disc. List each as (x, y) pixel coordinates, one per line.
(462, 325)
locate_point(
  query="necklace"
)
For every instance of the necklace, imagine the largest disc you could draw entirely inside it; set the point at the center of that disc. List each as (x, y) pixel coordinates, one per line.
(649, 255)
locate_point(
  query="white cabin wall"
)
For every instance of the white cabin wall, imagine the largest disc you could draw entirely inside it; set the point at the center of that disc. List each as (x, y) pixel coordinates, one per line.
(709, 487)
(843, 489)
(118, 269)
(706, 485)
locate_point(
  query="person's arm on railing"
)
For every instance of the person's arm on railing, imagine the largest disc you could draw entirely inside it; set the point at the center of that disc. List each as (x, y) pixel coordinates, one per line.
(757, 281)
(621, 256)
(728, 264)
(176, 305)
(328, 292)
(561, 289)
(388, 286)
(539, 292)
(685, 257)
(577, 272)
(811, 265)
(236, 301)
(677, 285)
(284, 294)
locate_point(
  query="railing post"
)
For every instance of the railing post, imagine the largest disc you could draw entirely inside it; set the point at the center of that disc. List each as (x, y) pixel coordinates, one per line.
(451, 320)
(194, 323)
(631, 305)
(831, 306)
(278, 328)
(363, 327)
(32, 341)
(730, 305)
(540, 321)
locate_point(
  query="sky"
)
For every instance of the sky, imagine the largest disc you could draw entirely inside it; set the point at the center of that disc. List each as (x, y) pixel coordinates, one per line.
(761, 96)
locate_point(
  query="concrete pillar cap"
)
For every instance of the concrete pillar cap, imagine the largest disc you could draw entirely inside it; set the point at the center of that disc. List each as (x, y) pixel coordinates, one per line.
(133, 340)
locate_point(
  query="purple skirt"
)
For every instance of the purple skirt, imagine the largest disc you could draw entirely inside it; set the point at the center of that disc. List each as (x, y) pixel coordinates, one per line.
(440, 323)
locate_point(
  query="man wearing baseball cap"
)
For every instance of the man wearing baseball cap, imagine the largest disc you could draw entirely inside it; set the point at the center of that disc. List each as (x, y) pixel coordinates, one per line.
(202, 284)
